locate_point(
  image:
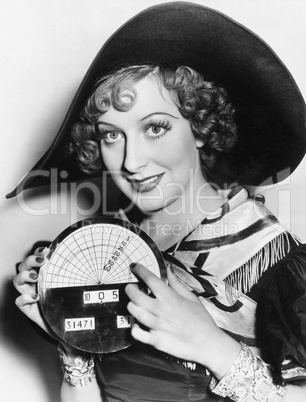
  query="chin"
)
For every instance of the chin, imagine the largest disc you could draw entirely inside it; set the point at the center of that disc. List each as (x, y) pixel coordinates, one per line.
(149, 207)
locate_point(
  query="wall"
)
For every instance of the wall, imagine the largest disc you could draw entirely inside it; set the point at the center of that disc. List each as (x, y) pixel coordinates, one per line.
(46, 48)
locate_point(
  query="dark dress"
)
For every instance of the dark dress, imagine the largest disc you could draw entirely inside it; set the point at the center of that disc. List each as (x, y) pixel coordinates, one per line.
(141, 373)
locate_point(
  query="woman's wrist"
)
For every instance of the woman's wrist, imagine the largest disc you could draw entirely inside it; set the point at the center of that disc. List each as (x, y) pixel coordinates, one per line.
(71, 352)
(223, 352)
(248, 379)
(78, 368)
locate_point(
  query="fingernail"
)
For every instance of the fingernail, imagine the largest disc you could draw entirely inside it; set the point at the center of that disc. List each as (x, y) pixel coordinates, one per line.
(33, 275)
(39, 259)
(34, 296)
(133, 265)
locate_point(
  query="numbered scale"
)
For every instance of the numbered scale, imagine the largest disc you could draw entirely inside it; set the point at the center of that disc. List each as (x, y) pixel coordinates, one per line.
(81, 285)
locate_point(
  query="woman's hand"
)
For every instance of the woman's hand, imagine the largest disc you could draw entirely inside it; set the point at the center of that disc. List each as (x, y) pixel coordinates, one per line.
(177, 323)
(26, 284)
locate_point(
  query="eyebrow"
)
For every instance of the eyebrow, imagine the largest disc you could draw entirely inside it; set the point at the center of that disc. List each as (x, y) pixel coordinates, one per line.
(105, 123)
(146, 117)
(152, 114)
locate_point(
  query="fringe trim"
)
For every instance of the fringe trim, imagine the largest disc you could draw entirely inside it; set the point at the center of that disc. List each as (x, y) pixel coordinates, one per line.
(245, 277)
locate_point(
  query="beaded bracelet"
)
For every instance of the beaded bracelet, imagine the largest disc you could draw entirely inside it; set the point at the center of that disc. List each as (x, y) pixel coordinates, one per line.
(249, 376)
(78, 372)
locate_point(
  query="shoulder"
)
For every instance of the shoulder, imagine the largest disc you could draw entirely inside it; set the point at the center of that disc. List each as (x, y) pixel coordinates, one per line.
(281, 314)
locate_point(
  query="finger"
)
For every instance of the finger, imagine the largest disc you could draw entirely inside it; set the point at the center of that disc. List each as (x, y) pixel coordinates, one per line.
(42, 251)
(139, 298)
(143, 336)
(30, 262)
(179, 287)
(27, 304)
(143, 316)
(25, 277)
(25, 301)
(155, 284)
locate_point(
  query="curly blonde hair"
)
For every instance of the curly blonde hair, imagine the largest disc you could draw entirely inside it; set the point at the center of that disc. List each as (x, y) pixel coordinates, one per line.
(203, 103)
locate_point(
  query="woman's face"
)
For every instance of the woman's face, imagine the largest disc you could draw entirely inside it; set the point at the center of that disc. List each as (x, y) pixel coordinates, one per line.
(150, 150)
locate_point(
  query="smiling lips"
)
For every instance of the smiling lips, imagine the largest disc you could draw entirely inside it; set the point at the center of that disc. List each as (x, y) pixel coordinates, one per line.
(147, 184)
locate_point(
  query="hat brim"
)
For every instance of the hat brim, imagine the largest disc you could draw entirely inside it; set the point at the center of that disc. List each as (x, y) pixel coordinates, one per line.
(270, 107)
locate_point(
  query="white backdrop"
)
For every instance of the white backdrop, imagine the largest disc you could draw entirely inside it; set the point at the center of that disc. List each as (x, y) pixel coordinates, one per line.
(46, 48)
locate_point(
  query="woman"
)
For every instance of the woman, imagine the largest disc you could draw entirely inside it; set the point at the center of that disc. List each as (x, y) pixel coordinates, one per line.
(170, 138)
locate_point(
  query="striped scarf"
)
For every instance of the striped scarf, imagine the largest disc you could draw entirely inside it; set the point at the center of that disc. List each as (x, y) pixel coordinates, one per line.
(224, 257)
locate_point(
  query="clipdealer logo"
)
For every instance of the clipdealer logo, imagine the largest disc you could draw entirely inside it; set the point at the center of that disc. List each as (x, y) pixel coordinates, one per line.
(63, 196)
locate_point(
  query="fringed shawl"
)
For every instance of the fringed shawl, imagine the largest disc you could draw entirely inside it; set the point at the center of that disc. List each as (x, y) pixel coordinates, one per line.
(225, 257)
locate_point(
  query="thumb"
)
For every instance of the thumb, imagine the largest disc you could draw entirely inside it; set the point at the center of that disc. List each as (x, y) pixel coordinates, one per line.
(178, 286)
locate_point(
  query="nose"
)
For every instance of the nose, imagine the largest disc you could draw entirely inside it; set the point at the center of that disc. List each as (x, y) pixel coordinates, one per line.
(135, 156)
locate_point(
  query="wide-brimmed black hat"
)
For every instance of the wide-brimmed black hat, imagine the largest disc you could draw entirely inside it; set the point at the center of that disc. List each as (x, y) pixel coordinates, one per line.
(270, 108)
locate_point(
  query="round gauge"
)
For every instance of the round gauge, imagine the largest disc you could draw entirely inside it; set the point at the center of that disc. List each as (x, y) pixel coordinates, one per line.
(81, 285)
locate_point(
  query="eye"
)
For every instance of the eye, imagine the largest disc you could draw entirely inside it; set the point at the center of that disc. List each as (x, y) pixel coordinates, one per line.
(112, 136)
(157, 129)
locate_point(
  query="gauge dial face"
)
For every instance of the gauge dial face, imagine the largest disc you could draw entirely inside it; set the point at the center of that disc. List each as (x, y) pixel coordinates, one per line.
(82, 283)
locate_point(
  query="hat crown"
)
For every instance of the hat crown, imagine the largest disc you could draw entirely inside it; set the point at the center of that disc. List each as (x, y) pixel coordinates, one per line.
(270, 107)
